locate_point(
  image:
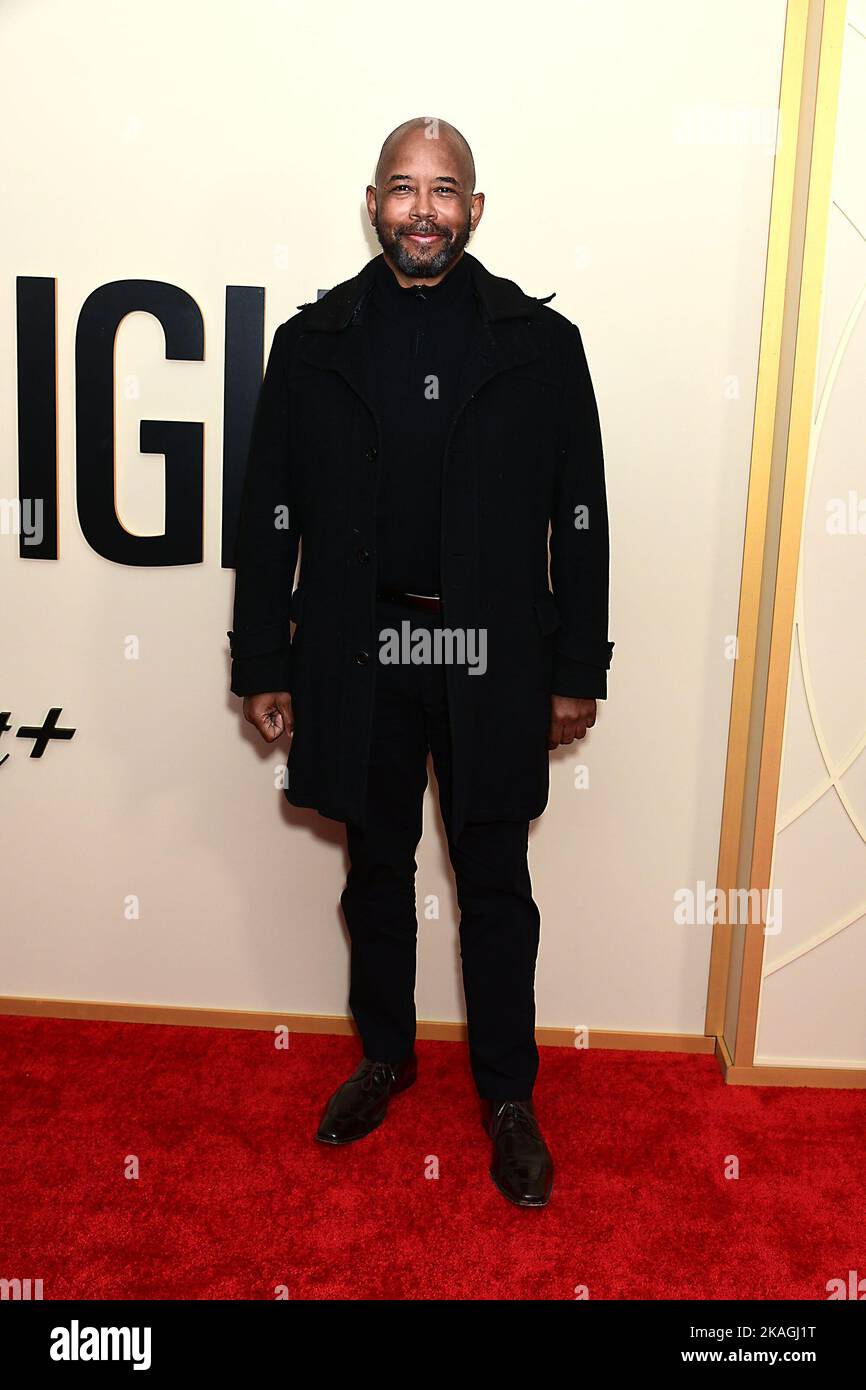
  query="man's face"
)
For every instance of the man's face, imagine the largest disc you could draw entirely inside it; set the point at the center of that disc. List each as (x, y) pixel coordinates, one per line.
(422, 211)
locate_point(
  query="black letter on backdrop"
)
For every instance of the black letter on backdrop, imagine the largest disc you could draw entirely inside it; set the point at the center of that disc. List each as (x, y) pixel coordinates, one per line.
(244, 369)
(181, 441)
(37, 412)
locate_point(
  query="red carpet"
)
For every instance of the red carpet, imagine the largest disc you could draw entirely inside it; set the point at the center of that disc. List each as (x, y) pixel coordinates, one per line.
(235, 1198)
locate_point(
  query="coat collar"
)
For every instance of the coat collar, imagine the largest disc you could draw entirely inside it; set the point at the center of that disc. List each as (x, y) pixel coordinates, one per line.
(499, 298)
(333, 335)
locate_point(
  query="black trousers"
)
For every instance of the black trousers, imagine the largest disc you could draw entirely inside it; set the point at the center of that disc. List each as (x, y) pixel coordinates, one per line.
(499, 920)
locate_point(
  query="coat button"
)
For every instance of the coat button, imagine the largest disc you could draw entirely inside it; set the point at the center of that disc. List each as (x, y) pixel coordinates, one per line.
(362, 658)
(363, 556)
(372, 453)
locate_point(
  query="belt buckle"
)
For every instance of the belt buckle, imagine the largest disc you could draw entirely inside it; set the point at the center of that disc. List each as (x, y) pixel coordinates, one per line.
(431, 603)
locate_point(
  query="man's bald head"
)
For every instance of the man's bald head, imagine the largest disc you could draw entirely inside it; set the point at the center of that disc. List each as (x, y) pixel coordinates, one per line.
(428, 128)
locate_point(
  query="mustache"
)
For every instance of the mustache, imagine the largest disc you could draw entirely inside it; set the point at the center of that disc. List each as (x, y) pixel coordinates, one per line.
(423, 230)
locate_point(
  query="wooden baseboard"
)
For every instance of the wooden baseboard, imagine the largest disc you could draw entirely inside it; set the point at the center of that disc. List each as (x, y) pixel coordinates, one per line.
(187, 1017)
(190, 1017)
(836, 1078)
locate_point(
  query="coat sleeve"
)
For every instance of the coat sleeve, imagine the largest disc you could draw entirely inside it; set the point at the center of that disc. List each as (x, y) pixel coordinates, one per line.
(579, 540)
(266, 548)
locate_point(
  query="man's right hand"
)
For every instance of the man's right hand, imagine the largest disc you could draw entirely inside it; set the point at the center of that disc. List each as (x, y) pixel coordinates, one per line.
(270, 714)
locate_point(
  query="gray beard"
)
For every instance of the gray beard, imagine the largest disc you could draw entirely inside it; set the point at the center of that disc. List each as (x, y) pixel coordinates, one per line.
(410, 263)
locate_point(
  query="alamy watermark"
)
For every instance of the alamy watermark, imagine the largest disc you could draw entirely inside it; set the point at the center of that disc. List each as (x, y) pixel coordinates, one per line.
(735, 906)
(733, 126)
(437, 646)
(22, 516)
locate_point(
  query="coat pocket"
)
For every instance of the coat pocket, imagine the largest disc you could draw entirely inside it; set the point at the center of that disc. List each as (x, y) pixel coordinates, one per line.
(547, 613)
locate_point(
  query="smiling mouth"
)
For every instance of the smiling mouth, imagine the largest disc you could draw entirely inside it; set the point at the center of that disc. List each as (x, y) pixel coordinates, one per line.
(424, 238)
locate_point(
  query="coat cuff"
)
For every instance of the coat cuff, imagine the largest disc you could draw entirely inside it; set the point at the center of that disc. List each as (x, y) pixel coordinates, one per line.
(260, 675)
(577, 680)
(259, 668)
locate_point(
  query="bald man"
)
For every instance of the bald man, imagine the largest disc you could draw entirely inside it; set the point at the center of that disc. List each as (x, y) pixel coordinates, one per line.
(432, 433)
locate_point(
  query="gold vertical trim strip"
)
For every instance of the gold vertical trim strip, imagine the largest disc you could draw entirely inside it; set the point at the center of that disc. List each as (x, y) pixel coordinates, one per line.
(766, 401)
(802, 398)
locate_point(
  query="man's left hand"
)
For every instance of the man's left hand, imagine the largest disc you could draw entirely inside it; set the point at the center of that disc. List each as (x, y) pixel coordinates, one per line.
(569, 719)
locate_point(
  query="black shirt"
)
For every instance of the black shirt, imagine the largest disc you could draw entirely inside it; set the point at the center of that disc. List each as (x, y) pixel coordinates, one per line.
(418, 338)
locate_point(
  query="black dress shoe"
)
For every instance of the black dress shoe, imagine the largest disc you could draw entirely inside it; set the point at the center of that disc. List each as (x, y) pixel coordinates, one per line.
(359, 1105)
(522, 1167)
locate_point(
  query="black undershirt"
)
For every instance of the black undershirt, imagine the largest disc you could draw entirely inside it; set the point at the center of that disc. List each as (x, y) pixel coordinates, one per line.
(415, 334)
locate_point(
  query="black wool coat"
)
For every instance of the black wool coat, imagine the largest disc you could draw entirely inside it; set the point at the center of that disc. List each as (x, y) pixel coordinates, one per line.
(524, 547)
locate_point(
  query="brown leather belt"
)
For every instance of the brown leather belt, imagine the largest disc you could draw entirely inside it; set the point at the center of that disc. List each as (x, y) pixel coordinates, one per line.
(432, 603)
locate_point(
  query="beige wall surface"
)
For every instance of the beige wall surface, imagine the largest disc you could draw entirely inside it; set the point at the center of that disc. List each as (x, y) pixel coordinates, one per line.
(626, 152)
(811, 1006)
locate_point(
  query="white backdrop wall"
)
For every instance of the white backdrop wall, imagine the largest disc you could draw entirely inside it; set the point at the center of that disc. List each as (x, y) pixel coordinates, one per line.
(626, 154)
